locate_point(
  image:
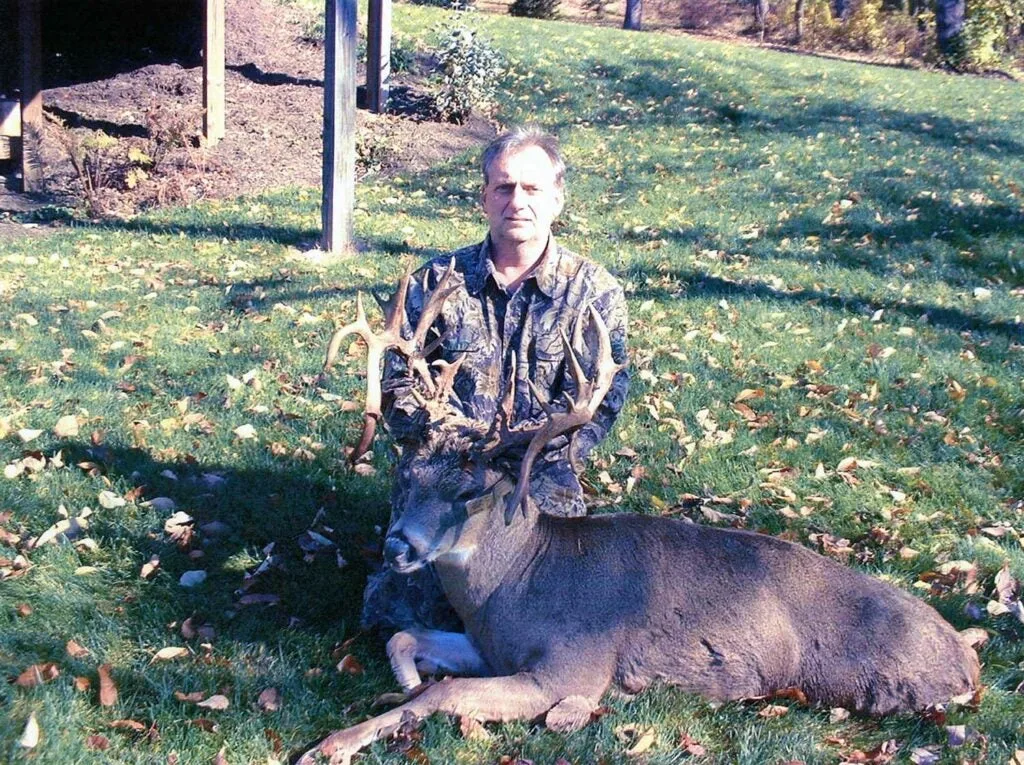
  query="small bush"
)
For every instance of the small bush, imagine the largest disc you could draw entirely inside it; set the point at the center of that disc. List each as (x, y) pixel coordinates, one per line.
(597, 7)
(535, 9)
(864, 27)
(470, 71)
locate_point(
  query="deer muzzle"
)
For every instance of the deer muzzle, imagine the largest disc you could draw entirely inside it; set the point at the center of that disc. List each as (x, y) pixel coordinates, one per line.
(400, 554)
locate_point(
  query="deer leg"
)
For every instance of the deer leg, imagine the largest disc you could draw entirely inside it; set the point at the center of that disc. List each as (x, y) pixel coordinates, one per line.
(514, 697)
(429, 651)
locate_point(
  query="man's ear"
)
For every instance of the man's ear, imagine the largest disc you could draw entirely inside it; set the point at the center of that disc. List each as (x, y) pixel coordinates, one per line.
(559, 201)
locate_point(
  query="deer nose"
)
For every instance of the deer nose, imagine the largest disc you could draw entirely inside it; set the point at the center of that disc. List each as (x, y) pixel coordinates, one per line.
(398, 552)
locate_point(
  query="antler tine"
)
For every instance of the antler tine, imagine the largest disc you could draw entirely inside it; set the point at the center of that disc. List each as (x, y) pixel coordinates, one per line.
(447, 377)
(433, 307)
(581, 410)
(376, 346)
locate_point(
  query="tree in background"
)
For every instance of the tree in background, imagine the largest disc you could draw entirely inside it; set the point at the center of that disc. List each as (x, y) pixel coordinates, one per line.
(949, 26)
(634, 14)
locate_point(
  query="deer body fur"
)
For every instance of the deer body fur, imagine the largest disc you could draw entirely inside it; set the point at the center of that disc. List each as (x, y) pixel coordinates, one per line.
(560, 610)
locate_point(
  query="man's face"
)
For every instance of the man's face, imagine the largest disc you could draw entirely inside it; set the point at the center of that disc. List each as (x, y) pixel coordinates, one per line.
(521, 198)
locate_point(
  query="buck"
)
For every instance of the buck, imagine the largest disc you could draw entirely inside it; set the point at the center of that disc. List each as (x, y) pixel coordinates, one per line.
(558, 611)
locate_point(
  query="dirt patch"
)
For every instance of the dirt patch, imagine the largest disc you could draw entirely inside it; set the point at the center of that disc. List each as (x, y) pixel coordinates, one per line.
(274, 116)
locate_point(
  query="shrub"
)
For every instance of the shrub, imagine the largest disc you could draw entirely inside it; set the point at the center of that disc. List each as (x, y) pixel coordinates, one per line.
(987, 32)
(470, 71)
(535, 9)
(864, 28)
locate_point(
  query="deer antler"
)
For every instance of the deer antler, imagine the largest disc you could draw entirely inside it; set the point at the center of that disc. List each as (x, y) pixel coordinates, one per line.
(581, 410)
(377, 343)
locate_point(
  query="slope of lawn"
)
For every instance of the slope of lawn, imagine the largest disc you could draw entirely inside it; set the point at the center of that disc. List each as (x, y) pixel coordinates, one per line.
(824, 267)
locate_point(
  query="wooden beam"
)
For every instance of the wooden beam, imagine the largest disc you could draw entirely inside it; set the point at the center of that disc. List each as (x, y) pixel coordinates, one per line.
(339, 124)
(378, 56)
(30, 45)
(213, 72)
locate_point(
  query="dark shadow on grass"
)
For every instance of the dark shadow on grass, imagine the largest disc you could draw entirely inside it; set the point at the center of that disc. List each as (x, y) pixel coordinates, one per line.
(239, 512)
(705, 284)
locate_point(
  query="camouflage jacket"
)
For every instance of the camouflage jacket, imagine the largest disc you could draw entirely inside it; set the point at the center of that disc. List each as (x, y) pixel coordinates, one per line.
(492, 327)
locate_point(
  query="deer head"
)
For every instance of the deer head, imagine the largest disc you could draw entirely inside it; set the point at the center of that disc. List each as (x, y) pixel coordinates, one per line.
(461, 467)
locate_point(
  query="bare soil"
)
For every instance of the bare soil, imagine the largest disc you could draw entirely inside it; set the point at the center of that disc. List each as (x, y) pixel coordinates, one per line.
(274, 120)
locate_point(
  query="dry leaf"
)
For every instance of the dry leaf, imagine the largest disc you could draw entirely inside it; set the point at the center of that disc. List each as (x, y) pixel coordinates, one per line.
(350, 665)
(82, 684)
(838, 715)
(691, 746)
(216, 702)
(640, 739)
(746, 393)
(24, 609)
(150, 568)
(472, 729)
(97, 743)
(773, 710)
(109, 500)
(221, 758)
(66, 427)
(170, 653)
(108, 690)
(269, 700)
(28, 434)
(37, 674)
(30, 736)
(245, 431)
(132, 725)
(192, 698)
(76, 651)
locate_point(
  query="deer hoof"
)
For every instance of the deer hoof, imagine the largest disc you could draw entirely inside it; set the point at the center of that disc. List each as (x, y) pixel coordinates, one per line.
(569, 714)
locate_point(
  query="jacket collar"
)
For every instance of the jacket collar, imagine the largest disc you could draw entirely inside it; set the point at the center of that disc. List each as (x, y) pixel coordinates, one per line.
(545, 272)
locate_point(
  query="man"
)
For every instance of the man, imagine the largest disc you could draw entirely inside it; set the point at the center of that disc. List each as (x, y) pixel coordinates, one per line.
(517, 291)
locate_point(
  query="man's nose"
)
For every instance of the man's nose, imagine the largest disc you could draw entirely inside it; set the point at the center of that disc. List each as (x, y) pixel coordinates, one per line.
(519, 198)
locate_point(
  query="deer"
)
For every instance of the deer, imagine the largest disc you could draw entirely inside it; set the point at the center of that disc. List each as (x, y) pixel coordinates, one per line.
(560, 611)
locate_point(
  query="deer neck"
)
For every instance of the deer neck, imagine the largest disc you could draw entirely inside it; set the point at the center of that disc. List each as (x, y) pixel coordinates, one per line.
(488, 554)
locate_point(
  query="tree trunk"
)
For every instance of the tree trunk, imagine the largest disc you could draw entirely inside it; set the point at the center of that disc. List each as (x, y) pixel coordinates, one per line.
(634, 14)
(949, 22)
(798, 12)
(839, 8)
(761, 17)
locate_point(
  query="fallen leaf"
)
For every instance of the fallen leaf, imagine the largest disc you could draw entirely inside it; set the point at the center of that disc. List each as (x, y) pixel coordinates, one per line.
(37, 674)
(30, 735)
(221, 758)
(170, 653)
(349, 665)
(108, 690)
(245, 431)
(82, 684)
(132, 725)
(838, 715)
(97, 742)
(76, 651)
(109, 500)
(29, 434)
(192, 698)
(216, 702)
(772, 711)
(66, 427)
(472, 729)
(269, 700)
(150, 568)
(24, 609)
(691, 746)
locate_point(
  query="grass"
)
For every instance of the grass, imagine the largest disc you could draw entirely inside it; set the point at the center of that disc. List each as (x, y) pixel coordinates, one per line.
(823, 261)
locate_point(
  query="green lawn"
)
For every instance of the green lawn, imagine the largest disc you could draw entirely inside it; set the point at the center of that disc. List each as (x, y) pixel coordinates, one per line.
(823, 261)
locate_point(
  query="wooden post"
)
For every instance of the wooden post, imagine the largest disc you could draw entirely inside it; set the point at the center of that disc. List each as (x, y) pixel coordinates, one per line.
(213, 72)
(378, 55)
(339, 124)
(30, 43)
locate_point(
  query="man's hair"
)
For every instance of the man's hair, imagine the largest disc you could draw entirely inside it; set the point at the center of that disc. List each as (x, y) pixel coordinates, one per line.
(522, 137)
